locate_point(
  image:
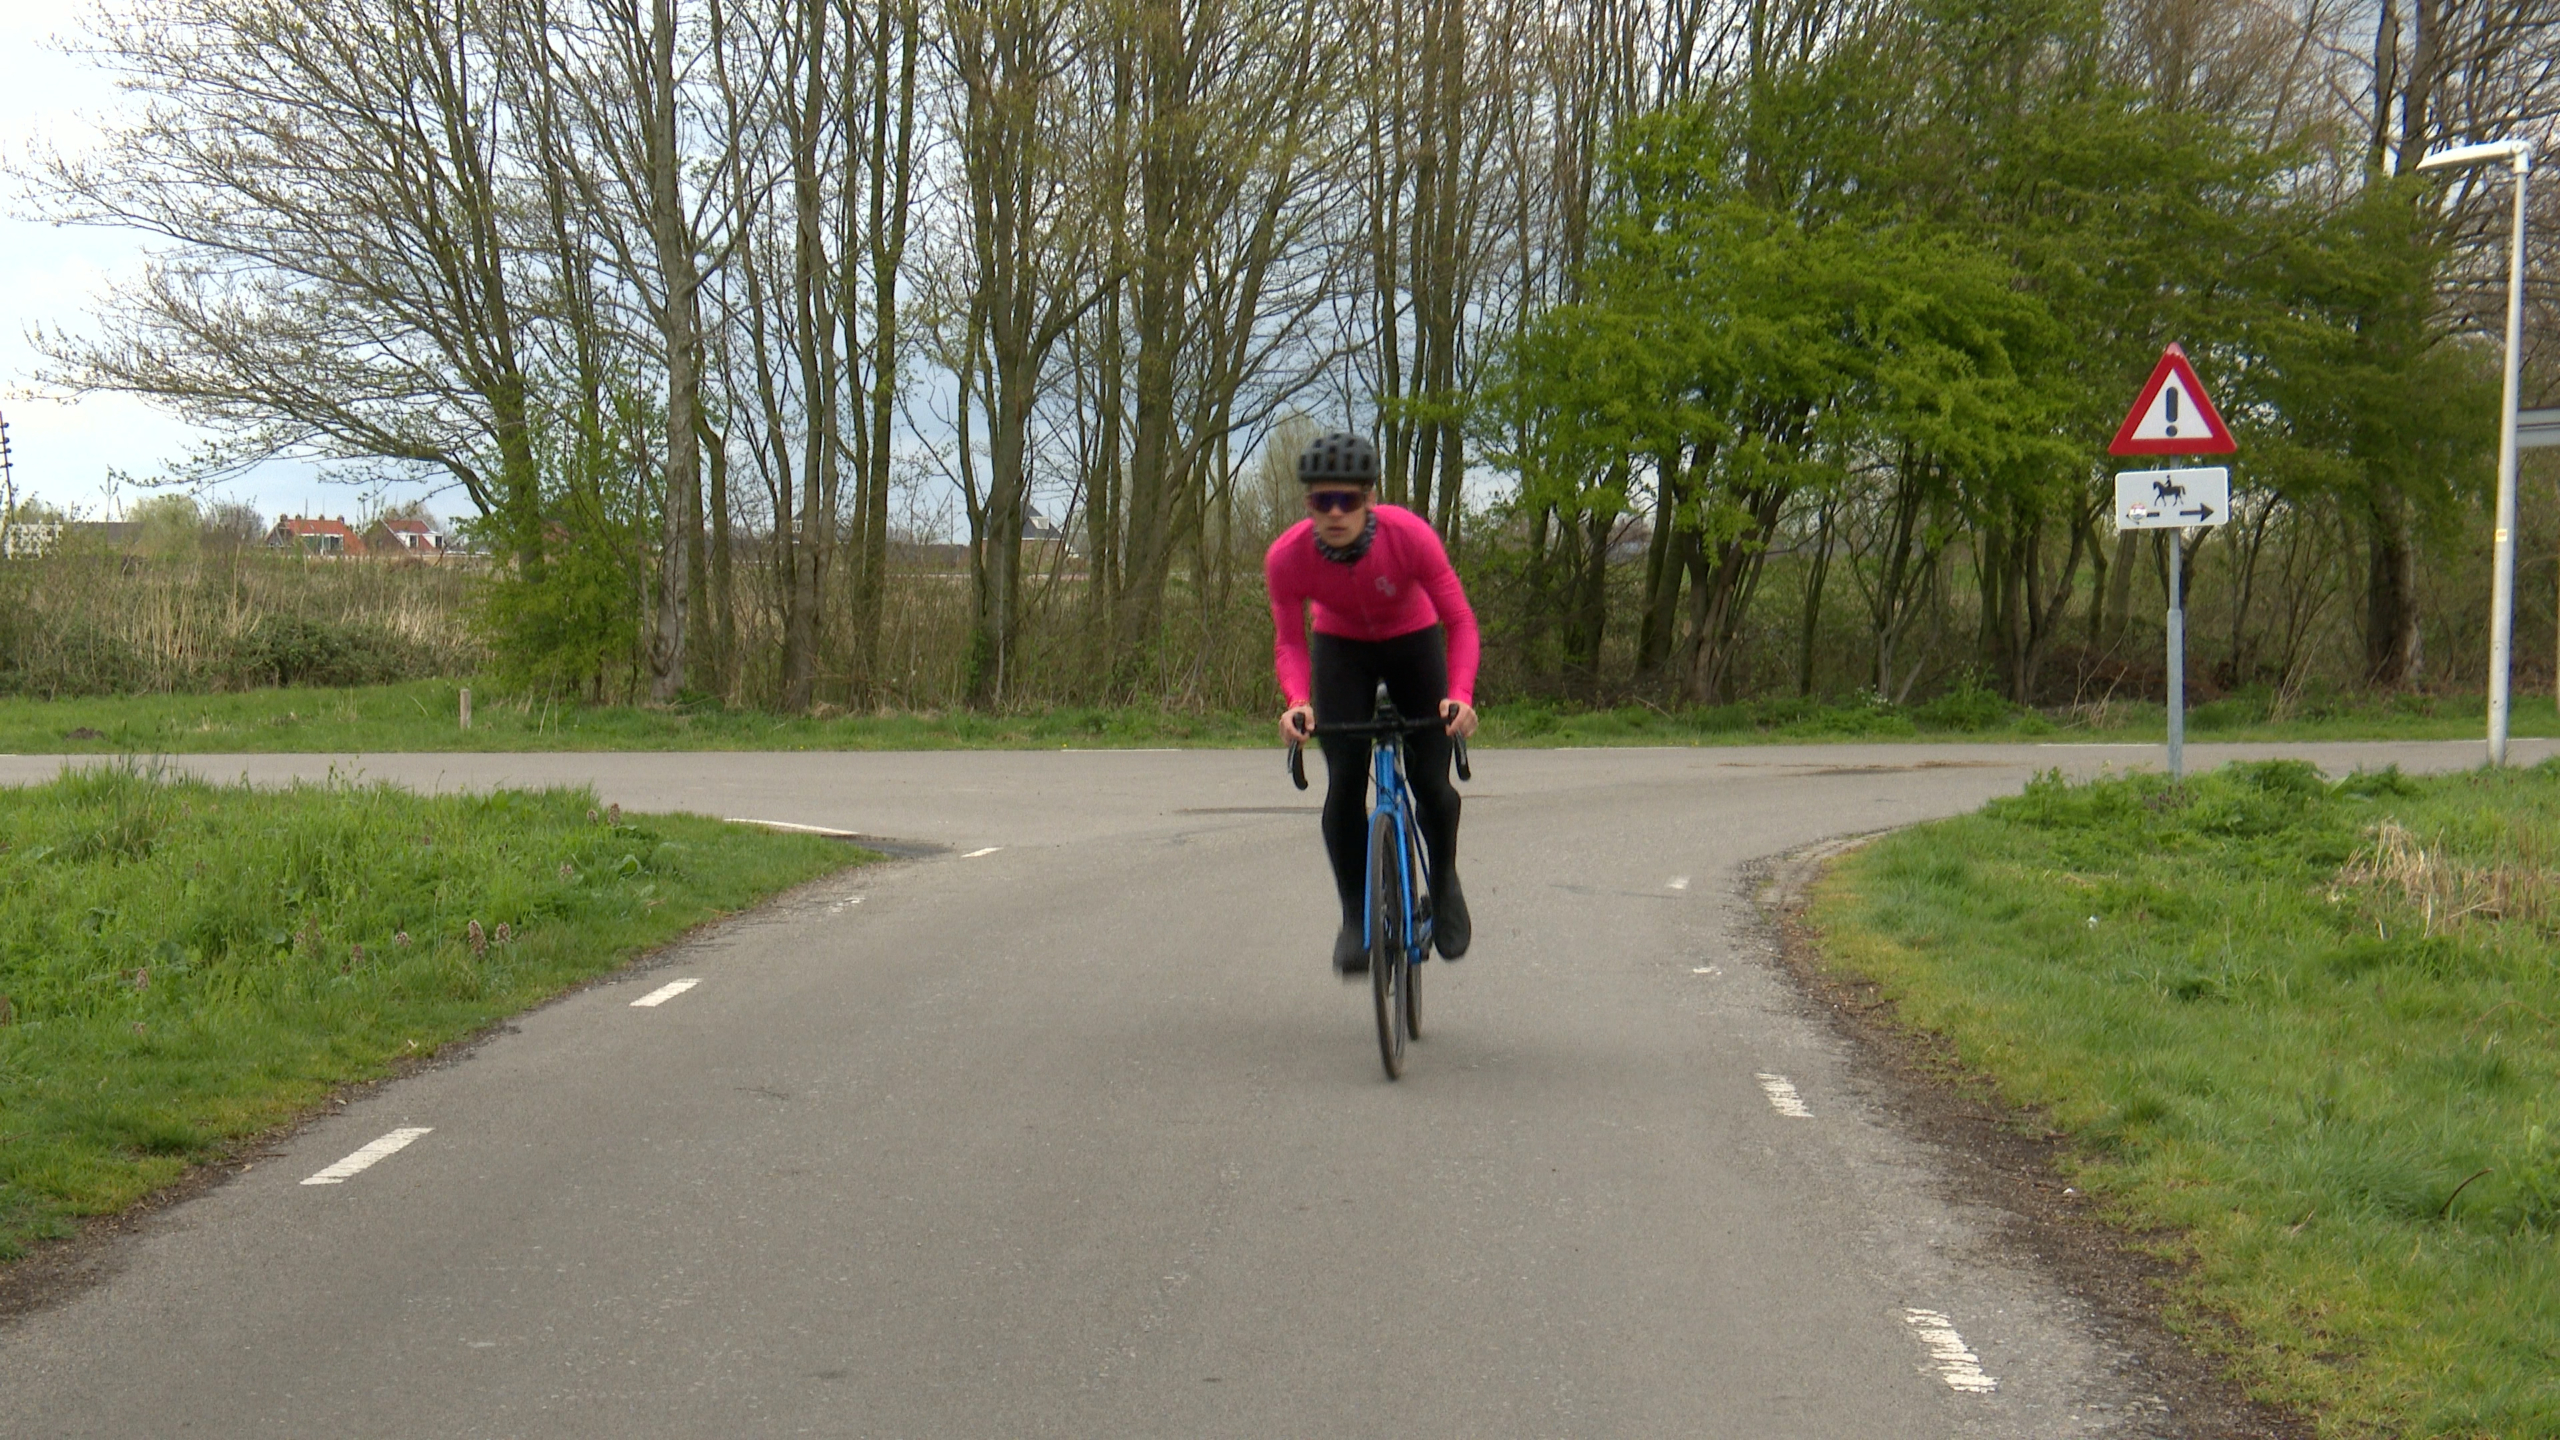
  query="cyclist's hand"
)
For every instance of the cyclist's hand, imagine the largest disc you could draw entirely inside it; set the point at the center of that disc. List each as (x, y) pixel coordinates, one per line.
(1297, 723)
(1461, 717)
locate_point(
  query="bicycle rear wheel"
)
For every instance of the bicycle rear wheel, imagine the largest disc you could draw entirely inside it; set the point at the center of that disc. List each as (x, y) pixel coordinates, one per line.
(1389, 980)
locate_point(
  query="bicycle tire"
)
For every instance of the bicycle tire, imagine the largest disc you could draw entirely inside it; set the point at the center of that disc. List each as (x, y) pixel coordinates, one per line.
(1388, 982)
(1418, 948)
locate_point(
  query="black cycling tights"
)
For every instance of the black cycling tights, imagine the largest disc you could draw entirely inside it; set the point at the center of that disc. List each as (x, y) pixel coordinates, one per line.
(1416, 669)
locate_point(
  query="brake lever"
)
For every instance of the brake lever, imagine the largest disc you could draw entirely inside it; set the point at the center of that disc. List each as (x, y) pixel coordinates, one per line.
(1298, 765)
(1450, 713)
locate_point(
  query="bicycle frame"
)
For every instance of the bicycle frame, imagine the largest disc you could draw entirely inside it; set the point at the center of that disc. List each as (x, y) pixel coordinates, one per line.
(1391, 795)
(1395, 974)
(1393, 798)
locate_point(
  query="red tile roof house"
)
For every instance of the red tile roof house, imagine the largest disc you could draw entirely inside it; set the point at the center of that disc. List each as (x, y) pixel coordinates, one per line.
(406, 539)
(315, 536)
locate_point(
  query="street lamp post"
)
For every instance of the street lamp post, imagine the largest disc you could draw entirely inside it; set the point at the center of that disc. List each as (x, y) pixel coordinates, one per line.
(2518, 155)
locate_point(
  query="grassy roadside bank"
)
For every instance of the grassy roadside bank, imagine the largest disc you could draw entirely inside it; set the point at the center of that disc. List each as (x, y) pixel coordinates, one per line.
(185, 964)
(2310, 1030)
(421, 716)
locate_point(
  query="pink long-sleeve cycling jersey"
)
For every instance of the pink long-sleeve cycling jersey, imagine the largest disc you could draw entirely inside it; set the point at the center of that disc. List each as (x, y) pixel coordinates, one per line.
(1402, 585)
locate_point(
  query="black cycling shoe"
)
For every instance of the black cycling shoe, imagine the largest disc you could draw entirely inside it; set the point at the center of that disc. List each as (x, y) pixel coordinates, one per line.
(1350, 953)
(1450, 929)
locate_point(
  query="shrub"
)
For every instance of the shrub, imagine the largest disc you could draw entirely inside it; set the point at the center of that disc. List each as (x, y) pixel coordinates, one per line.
(297, 650)
(1968, 708)
(73, 655)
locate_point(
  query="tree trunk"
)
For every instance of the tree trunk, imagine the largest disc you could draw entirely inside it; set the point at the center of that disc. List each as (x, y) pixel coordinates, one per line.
(2392, 660)
(1157, 292)
(1588, 628)
(892, 184)
(2119, 611)
(1656, 626)
(671, 234)
(815, 304)
(999, 578)
(724, 619)
(1817, 572)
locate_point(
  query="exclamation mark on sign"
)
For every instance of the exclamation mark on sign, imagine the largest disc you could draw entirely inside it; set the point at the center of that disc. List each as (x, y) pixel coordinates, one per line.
(2173, 412)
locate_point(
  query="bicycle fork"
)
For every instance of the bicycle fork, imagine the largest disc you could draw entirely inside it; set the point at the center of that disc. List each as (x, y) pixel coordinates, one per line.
(1414, 927)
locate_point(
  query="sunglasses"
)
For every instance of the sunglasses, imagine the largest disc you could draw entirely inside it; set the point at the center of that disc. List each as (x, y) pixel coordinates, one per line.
(1335, 502)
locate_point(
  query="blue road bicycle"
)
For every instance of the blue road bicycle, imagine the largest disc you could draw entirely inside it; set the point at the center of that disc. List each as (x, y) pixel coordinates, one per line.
(1398, 910)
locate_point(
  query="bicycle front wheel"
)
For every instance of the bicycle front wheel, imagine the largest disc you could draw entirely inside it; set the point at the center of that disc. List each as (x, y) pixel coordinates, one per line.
(1389, 980)
(1418, 955)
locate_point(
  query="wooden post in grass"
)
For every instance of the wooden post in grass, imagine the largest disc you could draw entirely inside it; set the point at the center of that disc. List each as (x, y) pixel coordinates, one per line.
(466, 707)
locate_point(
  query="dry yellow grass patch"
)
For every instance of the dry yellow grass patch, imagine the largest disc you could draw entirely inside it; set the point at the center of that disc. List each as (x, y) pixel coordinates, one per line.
(2448, 891)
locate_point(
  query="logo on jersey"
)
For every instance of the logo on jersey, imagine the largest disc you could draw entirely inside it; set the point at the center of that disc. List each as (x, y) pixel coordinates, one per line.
(1387, 586)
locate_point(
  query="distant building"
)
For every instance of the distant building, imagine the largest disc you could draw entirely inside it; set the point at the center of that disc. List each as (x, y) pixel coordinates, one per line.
(409, 539)
(31, 540)
(1044, 543)
(316, 536)
(34, 539)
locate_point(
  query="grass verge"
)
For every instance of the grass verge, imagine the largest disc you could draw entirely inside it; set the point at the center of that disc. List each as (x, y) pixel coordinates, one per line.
(2309, 1032)
(422, 716)
(185, 964)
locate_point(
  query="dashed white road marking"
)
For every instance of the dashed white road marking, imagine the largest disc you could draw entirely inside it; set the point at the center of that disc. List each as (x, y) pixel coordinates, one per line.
(844, 904)
(364, 1159)
(664, 993)
(1783, 1097)
(974, 854)
(1707, 970)
(1958, 1366)
(829, 831)
(1677, 882)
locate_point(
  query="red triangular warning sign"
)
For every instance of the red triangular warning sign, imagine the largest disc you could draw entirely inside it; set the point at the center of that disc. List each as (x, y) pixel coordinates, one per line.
(2174, 415)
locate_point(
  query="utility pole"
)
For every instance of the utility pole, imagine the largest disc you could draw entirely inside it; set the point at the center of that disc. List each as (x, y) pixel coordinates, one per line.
(8, 493)
(8, 480)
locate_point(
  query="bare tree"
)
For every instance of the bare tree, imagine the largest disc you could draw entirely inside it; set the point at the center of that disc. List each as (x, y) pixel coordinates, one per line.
(1233, 116)
(1022, 124)
(335, 182)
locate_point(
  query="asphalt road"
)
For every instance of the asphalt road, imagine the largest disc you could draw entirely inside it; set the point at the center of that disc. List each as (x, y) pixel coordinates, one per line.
(1066, 1129)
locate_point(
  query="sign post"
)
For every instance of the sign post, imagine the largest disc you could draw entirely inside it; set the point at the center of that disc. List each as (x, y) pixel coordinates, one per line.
(2174, 417)
(2175, 501)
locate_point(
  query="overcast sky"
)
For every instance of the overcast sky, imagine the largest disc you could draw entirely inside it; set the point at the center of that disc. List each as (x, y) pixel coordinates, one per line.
(49, 276)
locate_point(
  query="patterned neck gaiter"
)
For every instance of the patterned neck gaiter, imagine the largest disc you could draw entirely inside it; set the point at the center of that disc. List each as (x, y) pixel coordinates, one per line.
(1349, 554)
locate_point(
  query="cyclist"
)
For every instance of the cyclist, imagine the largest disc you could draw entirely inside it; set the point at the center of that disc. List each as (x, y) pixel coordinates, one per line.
(1386, 606)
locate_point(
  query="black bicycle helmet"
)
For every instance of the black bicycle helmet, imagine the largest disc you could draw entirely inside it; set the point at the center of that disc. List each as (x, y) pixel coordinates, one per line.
(1338, 457)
